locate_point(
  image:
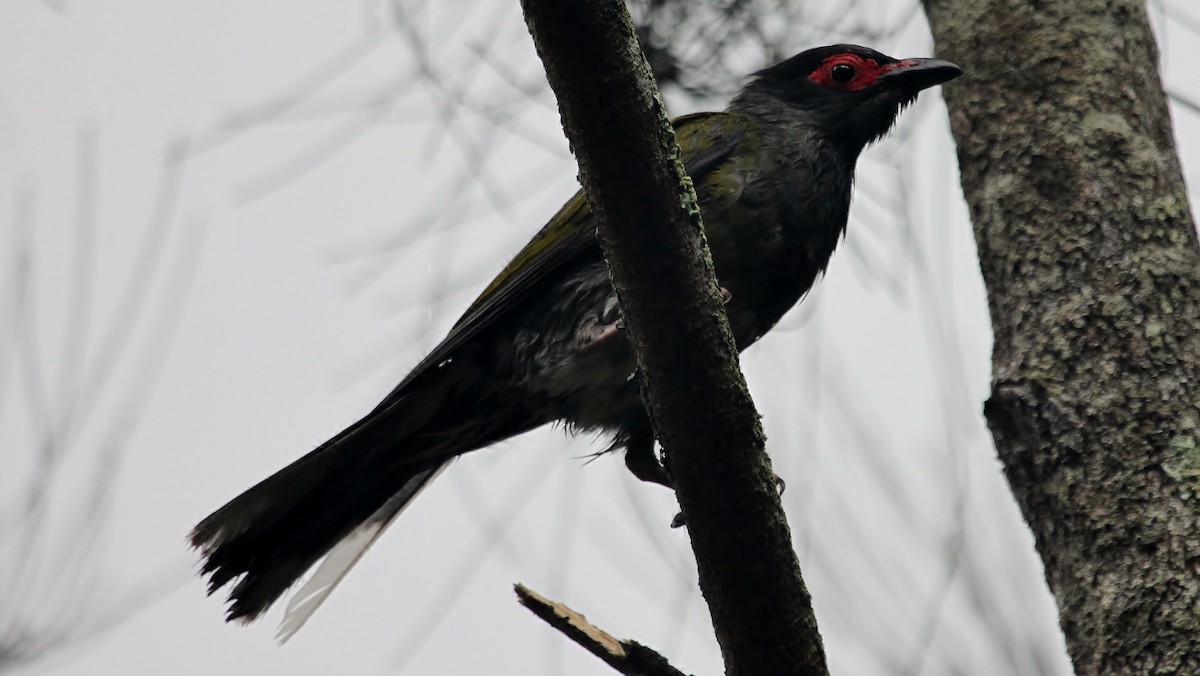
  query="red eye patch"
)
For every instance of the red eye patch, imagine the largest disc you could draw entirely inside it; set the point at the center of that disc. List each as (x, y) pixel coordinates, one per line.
(850, 72)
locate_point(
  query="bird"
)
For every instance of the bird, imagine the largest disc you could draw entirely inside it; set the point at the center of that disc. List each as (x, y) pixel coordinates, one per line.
(545, 343)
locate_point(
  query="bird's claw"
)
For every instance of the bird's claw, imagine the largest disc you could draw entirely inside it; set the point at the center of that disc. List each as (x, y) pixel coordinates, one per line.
(644, 465)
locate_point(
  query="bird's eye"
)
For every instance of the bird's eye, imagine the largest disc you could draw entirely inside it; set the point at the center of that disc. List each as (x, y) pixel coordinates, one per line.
(842, 73)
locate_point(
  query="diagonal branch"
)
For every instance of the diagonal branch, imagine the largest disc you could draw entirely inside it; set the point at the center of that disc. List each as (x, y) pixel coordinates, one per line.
(653, 240)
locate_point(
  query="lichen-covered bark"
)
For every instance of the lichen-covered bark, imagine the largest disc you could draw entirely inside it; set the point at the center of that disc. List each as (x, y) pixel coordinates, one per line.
(654, 243)
(1090, 257)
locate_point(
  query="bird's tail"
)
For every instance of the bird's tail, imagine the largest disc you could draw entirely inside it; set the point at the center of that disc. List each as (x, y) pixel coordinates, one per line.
(336, 500)
(348, 551)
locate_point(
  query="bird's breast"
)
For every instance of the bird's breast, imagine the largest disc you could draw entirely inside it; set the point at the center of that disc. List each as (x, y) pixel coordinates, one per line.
(770, 247)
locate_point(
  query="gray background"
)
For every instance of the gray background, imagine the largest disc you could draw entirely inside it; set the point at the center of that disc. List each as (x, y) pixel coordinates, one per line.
(227, 229)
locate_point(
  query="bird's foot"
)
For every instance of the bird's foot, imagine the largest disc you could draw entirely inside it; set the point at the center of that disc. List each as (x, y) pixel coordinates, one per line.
(644, 464)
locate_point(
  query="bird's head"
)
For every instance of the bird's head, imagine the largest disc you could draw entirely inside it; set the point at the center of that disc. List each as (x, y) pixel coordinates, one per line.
(851, 94)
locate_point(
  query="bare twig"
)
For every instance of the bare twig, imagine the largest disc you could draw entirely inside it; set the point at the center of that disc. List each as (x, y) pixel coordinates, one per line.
(627, 657)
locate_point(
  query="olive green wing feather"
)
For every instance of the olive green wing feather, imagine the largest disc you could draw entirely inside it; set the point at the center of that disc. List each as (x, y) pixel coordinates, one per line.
(706, 141)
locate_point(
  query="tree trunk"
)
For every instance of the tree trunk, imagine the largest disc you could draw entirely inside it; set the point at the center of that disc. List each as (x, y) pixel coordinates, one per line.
(1090, 257)
(654, 242)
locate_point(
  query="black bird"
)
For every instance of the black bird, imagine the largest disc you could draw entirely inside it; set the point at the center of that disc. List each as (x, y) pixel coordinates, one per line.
(543, 342)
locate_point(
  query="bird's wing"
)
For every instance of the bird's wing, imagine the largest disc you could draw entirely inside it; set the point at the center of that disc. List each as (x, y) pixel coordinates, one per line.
(706, 141)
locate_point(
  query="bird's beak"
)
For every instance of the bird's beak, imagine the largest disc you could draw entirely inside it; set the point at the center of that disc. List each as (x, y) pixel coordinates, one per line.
(914, 75)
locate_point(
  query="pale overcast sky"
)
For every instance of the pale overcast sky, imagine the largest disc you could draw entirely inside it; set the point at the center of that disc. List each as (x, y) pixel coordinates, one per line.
(313, 228)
